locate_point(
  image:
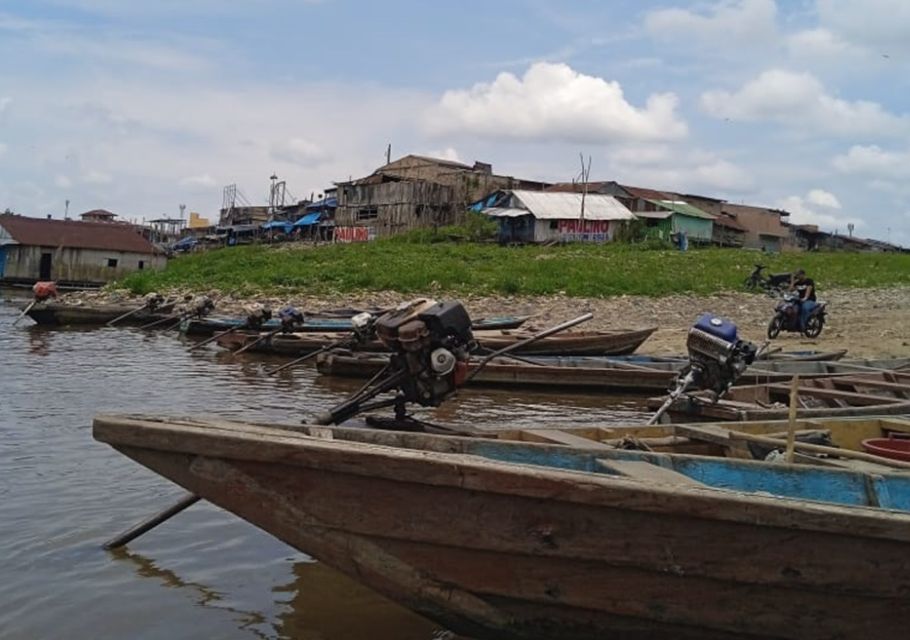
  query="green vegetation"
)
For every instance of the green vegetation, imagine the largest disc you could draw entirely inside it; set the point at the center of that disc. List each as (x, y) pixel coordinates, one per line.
(414, 265)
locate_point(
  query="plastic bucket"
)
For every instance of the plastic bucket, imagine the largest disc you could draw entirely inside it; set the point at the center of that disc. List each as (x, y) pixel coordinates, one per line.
(894, 448)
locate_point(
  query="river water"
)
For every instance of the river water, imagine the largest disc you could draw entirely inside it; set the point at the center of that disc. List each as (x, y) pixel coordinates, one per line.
(205, 573)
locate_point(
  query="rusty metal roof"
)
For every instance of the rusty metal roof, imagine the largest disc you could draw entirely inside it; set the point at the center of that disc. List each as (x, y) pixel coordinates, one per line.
(105, 236)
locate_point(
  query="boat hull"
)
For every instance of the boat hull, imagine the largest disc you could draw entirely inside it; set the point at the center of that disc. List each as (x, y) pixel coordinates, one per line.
(497, 550)
(211, 325)
(58, 314)
(579, 344)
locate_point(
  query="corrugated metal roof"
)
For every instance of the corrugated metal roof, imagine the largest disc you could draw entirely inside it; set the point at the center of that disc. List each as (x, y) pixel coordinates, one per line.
(682, 208)
(505, 212)
(549, 205)
(77, 235)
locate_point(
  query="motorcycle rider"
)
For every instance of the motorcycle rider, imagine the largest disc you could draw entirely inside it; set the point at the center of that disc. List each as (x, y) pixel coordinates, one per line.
(805, 289)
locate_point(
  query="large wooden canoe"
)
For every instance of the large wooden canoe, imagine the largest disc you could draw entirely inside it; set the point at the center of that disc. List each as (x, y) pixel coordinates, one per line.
(590, 373)
(60, 313)
(579, 343)
(516, 540)
(318, 324)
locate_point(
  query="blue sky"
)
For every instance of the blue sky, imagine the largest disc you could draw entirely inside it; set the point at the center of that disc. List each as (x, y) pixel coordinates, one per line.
(138, 107)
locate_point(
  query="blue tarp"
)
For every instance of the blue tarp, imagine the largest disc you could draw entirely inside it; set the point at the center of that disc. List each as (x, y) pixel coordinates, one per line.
(280, 225)
(308, 219)
(186, 243)
(325, 203)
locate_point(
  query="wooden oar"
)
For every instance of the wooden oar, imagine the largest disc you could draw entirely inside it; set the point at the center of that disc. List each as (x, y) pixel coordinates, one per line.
(24, 311)
(147, 525)
(126, 315)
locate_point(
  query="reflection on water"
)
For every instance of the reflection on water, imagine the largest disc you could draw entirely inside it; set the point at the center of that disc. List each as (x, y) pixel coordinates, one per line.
(204, 573)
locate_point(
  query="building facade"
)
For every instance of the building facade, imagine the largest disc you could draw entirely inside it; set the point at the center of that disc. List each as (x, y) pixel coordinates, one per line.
(69, 252)
(417, 192)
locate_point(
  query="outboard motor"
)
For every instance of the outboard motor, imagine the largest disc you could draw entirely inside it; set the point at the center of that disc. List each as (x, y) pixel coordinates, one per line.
(290, 318)
(717, 356)
(256, 316)
(430, 343)
(152, 301)
(199, 307)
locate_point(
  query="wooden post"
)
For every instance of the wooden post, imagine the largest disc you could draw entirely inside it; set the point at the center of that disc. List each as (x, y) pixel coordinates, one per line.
(791, 428)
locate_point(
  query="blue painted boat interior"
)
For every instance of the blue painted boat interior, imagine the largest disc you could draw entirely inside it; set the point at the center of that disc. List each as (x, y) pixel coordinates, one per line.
(803, 482)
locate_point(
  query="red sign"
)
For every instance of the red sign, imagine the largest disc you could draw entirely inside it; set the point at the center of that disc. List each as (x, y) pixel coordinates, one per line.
(354, 234)
(584, 230)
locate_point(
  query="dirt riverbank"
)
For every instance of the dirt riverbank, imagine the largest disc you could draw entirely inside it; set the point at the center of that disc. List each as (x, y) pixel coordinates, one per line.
(867, 322)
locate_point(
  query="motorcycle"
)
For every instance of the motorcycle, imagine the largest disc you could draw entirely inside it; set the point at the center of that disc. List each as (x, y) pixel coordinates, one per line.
(774, 283)
(786, 318)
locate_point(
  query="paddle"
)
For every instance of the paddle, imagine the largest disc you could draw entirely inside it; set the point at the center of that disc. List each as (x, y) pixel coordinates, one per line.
(24, 311)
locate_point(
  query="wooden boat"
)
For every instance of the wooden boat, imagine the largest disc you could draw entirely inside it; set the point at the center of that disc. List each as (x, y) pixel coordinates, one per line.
(318, 324)
(585, 373)
(862, 394)
(722, 439)
(568, 343)
(500, 539)
(508, 373)
(804, 356)
(60, 313)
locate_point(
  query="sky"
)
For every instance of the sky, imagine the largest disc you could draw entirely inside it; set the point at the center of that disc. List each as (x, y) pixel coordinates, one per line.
(140, 106)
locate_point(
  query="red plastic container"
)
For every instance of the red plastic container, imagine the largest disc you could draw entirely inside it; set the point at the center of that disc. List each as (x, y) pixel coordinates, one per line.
(894, 448)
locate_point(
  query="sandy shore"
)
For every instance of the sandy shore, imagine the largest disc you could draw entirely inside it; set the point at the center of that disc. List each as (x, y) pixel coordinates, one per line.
(867, 322)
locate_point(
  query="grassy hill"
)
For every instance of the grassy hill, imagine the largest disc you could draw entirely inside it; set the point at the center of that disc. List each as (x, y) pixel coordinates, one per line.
(576, 270)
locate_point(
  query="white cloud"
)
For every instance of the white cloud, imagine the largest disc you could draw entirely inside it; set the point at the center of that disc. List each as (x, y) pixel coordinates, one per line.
(881, 25)
(204, 181)
(723, 23)
(449, 153)
(63, 182)
(94, 176)
(823, 198)
(552, 102)
(802, 211)
(874, 161)
(821, 44)
(299, 151)
(800, 100)
(683, 170)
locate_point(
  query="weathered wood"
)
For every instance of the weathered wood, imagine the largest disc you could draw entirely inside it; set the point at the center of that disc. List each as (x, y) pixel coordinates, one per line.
(531, 550)
(647, 472)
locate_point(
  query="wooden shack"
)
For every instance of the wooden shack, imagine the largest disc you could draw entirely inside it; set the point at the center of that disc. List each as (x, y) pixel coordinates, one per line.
(70, 252)
(417, 192)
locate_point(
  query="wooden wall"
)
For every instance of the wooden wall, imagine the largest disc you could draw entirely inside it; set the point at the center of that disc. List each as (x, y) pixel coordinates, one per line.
(23, 263)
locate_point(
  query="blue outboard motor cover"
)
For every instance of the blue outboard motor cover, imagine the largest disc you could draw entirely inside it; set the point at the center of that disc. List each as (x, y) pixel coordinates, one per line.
(717, 326)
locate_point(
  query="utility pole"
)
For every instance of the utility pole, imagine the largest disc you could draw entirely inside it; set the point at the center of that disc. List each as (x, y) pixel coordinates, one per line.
(585, 174)
(66, 210)
(388, 154)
